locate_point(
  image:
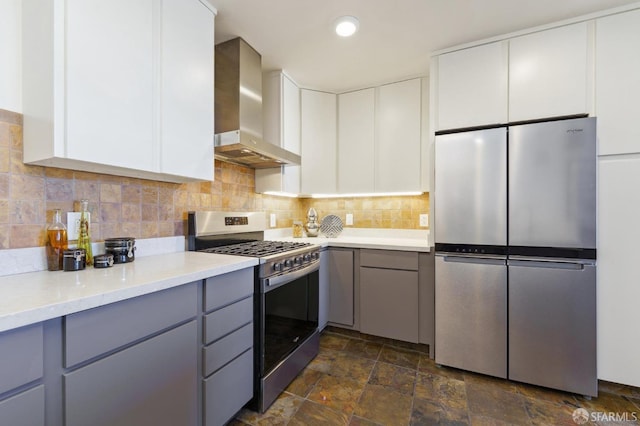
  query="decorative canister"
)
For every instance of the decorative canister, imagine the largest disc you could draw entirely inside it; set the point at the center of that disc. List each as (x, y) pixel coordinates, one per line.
(103, 261)
(122, 249)
(74, 260)
(297, 229)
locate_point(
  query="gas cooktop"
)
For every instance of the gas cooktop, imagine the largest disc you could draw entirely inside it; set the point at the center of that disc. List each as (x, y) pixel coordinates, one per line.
(257, 248)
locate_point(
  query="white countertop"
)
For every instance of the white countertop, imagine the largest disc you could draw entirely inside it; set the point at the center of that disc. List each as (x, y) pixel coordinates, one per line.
(30, 297)
(383, 239)
(38, 296)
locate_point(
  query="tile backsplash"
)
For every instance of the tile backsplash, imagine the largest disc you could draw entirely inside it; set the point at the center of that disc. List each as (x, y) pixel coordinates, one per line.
(122, 206)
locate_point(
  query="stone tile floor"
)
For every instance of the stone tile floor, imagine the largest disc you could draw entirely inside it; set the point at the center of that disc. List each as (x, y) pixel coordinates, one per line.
(358, 379)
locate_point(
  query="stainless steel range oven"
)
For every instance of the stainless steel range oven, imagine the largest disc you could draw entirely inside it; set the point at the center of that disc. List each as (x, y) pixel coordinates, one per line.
(286, 295)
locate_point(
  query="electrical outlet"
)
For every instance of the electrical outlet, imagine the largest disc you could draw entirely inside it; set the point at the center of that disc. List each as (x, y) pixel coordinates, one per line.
(73, 225)
(424, 220)
(272, 220)
(349, 219)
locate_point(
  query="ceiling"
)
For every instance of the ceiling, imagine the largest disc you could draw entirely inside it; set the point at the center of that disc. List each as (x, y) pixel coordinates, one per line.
(395, 37)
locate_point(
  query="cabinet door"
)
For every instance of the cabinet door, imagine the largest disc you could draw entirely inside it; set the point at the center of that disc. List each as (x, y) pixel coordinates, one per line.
(617, 88)
(24, 409)
(340, 265)
(186, 139)
(472, 87)
(548, 73)
(356, 122)
(398, 150)
(151, 383)
(318, 128)
(109, 84)
(323, 291)
(290, 133)
(389, 303)
(618, 275)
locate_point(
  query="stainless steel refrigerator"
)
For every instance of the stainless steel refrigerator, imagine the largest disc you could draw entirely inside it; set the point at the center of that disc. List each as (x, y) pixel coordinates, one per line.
(515, 230)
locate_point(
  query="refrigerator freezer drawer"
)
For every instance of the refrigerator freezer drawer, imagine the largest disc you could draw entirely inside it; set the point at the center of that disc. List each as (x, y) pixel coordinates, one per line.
(552, 325)
(471, 314)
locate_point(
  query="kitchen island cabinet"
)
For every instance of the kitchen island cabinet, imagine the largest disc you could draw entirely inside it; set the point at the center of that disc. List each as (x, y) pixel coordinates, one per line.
(119, 87)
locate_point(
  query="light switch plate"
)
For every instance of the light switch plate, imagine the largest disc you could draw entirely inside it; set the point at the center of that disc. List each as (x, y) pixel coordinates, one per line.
(272, 220)
(349, 219)
(73, 225)
(424, 220)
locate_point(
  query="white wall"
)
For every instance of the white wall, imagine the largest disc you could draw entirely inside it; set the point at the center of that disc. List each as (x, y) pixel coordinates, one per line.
(10, 55)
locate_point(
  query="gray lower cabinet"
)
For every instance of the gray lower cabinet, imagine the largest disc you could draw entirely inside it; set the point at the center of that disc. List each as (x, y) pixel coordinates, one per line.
(150, 383)
(227, 390)
(22, 356)
(323, 291)
(228, 345)
(340, 265)
(23, 409)
(389, 295)
(134, 362)
(21, 373)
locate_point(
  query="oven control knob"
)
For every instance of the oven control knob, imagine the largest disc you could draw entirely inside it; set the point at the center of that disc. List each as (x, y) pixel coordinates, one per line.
(307, 258)
(277, 266)
(288, 263)
(316, 255)
(297, 260)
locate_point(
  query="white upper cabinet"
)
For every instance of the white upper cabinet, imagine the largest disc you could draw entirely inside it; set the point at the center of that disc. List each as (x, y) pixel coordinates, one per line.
(319, 134)
(472, 87)
(119, 87)
(548, 73)
(356, 123)
(618, 83)
(281, 126)
(398, 128)
(109, 92)
(186, 147)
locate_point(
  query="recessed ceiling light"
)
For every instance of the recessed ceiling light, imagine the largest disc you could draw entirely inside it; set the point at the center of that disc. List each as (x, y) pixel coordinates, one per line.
(347, 26)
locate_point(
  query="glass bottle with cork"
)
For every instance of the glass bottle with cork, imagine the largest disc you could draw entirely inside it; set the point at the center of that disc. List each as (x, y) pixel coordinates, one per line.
(56, 242)
(84, 238)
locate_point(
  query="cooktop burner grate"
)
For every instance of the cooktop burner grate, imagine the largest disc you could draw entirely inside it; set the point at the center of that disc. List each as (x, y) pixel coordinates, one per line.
(257, 248)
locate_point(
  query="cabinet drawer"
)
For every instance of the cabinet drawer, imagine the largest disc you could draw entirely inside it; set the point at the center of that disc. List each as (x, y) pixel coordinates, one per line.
(24, 409)
(224, 350)
(227, 288)
(22, 354)
(96, 331)
(389, 259)
(227, 319)
(226, 392)
(151, 383)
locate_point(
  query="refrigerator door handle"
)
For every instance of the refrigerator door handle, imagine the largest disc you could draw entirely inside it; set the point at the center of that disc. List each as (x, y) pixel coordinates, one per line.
(551, 264)
(487, 260)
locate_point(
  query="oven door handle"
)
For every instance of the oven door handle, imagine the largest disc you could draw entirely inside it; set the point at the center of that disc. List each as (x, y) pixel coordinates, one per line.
(277, 281)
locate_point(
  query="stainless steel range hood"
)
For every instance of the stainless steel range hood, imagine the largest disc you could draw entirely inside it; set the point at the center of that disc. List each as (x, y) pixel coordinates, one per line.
(238, 116)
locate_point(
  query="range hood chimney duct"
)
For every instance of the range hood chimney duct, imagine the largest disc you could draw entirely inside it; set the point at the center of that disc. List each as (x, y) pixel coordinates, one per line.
(238, 109)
